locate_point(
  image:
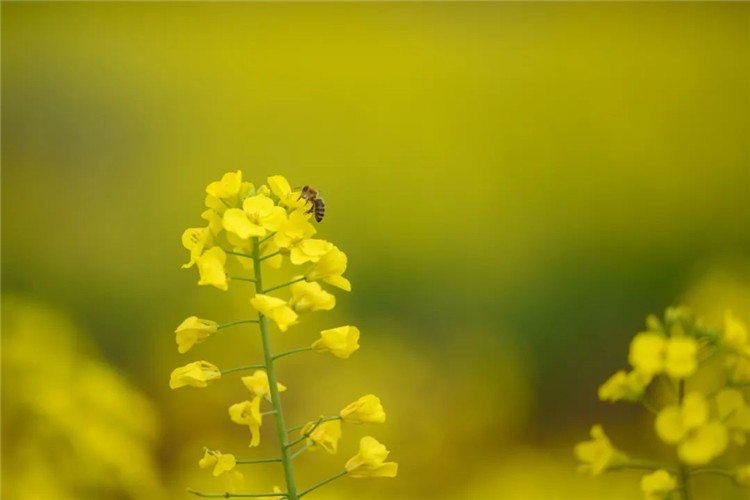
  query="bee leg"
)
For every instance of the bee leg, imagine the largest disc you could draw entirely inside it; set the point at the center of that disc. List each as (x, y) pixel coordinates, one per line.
(311, 209)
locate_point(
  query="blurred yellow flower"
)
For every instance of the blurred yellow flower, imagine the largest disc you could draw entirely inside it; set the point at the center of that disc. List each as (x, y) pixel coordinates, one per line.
(698, 439)
(330, 268)
(248, 413)
(370, 461)
(276, 309)
(196, 374)
(651, 354)
(257, 383)
(734, 413)
(195, 239)
(325, 435)
(227, 187)
(192, 331)
(310, 296)
(624, 386)
(341, 341)
(646, 353)
(211, 268)
(366, 409)
(219, 461)
(598, 454)
(657, 485)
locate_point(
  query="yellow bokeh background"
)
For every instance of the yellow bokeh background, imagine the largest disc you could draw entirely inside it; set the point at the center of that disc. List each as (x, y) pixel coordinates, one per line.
(517, 185)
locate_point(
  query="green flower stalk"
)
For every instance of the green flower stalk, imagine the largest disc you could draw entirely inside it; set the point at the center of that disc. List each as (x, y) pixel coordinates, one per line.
(247, 229)
(701, 423)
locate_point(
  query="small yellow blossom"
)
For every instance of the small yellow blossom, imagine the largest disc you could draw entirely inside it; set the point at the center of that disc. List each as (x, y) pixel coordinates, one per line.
(624, 386)
(192, 331)
(734, 413)
(248, 413)
(219, 461)
(657, 485)
(196, 239)
(646, 353)
(235, 222)
(651, 354)
(366, 409)
(283, 191)
(295, 235)
(341, 341)
(227, 187)
(699, 439)
(211, 268)
(370, 461)
(276, 309)
(214, 221)
(325, 435)
(681, 357)
(330, 268)
(262, 212)
(196, 374)
(598, 454)
(310, 296)
(257, 383)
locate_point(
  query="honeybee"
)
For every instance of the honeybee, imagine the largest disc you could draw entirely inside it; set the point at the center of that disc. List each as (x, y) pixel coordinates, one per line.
(312, 195)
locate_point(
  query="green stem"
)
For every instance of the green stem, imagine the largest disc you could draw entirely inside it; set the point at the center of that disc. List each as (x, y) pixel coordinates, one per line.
(238, 495)
(286, 459)
(302, 278)
(242, 278)
(239, 254)
(241, 368)
(320, 421)
(306, 434)
(258, 461)
(238, 322)
(274, 254)
(292, 351)
(300, 451)
(324, 481)
(647, 405)
(715, 470)
(266, 238)
(683, 469)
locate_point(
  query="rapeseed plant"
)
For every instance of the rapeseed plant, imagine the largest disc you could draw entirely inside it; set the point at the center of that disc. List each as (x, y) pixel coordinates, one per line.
(257, 227)
(703, 373)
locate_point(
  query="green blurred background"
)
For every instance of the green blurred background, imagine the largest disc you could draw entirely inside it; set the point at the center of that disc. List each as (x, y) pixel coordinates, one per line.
(516, 185)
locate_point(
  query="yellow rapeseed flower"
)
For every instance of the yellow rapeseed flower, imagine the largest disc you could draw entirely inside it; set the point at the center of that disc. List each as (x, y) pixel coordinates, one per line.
(196, 239)
(657, 485)
(735, 334)
(219, 461)
(366, 409)
(698, 438)
(734, 413)
(330, 268)
(236, 222)
(257, 383)
(192, 331)
(370, 461)
(248, 413)
(598, 454)
(310, 296)
(341, 341)
(282, 190)
(211, 268)
(227, 187)
(624, 386)
(325, 435)
(647, 353)
(196, 374)
(651, 354)
(276, 309)
(214, 221)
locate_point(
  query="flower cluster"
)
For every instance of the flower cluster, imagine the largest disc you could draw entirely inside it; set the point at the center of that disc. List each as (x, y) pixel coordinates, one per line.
(698, 375)
(247, 228)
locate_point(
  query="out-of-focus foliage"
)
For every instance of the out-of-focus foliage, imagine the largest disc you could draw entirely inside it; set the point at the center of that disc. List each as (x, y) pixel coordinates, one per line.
(73, 428)
(516, 185)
